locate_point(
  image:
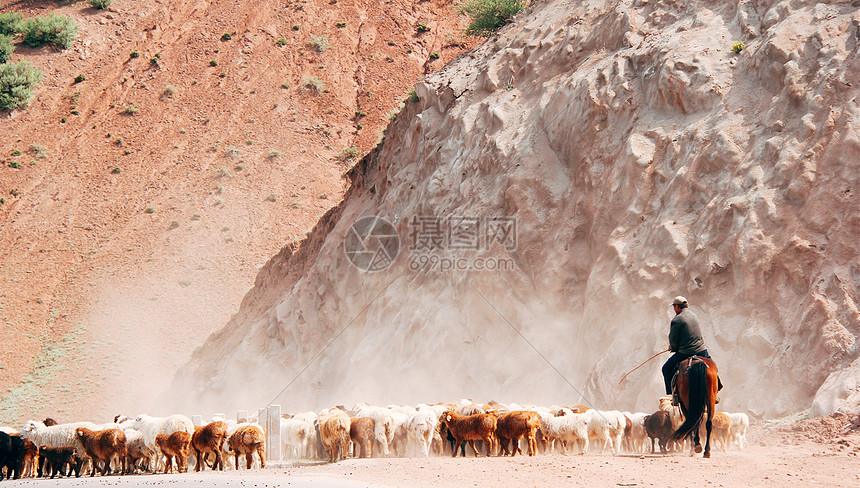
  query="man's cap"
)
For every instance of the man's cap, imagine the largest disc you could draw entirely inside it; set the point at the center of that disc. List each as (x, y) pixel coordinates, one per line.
(679, 300)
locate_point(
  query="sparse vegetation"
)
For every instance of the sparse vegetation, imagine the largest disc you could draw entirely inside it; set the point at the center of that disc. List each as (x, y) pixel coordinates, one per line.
(149, 210)
(341, 24)
(43, 371)
(285, 85)
(226, 36)
(134, 54)
(154, 59)
(412, 96)
(174, 224)
(738, 47)
(16, 152)
(231, 152)
(318, 43)
(17, 81)
(281, 42)
(274, 154)
(38, 151)
(119, 141)
(101, 4)
(14, 164)
(80, 78)
(59, 30)
(169, 92)
(488, 16)
(116, 170)
(213, 63)
(312, 83)
(6, 47)
(11, 23)
(296, 27)
(434, 55)
(272, 198)
(130, 110)
(422, 27)
(347, 153)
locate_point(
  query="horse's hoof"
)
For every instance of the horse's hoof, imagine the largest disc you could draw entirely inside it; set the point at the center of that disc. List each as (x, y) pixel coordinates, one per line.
(707, 455)
(698, 449)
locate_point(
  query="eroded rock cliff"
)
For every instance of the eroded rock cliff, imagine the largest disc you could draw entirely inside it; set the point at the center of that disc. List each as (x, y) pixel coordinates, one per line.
(633, 156)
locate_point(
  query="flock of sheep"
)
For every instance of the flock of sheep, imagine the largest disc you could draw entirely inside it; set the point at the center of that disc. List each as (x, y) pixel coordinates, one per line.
(150, 444)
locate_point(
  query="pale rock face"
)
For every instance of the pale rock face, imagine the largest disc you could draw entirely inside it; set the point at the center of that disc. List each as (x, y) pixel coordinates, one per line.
(641, 159)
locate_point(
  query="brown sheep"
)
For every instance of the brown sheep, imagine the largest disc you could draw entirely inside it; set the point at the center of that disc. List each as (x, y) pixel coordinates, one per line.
(361, 432)
(515, 425)
(102, 446)
(31, 459)
(174, 445)
(721, 429)
(334, 433)
(209, 439)
(247, 440)
(658, 426)
(481, 426)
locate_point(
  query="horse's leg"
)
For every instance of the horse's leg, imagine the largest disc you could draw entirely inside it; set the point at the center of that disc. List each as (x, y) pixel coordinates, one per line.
(708, 425)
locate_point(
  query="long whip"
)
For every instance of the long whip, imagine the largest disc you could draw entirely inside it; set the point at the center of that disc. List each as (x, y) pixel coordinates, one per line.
(643, 364)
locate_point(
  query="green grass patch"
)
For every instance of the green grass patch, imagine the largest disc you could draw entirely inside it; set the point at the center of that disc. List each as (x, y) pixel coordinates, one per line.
(17, 81)
(488, 16)
(11, 23)
(59, 30)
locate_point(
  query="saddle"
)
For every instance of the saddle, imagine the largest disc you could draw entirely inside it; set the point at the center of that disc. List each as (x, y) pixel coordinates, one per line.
(685, 366)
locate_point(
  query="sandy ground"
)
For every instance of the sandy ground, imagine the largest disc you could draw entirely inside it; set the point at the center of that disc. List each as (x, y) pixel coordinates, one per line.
(775, 460)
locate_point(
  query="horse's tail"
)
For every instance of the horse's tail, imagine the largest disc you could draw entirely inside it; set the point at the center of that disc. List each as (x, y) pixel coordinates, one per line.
(697, 398)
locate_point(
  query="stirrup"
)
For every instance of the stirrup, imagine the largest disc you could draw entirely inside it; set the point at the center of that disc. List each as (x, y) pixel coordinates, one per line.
(675, 400)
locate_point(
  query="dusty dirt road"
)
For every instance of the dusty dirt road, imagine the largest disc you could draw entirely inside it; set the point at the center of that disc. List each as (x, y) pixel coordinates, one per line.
(774, 462)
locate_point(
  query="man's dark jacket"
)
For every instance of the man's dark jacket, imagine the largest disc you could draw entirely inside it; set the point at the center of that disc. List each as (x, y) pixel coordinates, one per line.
(684, 334)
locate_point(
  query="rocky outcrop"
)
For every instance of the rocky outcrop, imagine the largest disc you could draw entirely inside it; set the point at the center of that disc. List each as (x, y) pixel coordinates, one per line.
(638, 158)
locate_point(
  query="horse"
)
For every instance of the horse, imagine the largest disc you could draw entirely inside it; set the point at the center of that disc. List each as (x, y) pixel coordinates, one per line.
(697, 387)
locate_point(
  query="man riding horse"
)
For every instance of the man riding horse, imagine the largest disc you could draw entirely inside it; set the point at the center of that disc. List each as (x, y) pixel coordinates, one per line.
(685, 340)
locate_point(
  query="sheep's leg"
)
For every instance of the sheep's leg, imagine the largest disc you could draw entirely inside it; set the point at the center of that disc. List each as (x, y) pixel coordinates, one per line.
(236, 454)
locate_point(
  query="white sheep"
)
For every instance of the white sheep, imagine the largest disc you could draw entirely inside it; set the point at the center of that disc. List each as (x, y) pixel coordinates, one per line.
(294, 436)
(572, 427)
(150, 427)
(136, 450)
(637, 437)
(399, 436)
(602, 428)
(383, 429)
(420, 429)
(740, 422)
(55, 435)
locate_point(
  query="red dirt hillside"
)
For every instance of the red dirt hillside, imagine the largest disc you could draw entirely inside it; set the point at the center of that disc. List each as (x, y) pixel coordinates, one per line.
(149, 193)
